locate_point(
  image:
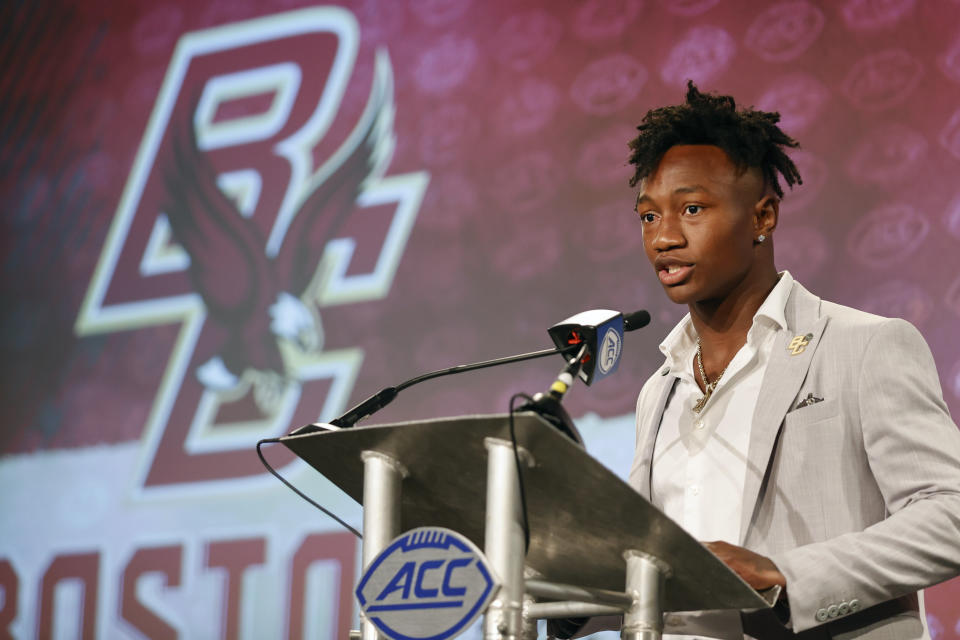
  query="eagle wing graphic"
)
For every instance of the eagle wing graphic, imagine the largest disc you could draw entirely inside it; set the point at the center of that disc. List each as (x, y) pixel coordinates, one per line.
(228, 266)
(362, 157)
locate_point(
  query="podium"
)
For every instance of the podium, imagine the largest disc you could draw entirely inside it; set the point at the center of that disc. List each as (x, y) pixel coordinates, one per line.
(596, 546)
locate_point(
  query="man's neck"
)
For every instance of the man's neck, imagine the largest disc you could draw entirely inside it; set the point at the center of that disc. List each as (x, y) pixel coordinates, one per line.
(723, 324)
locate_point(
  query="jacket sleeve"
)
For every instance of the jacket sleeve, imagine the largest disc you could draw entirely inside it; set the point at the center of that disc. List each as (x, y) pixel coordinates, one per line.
(913, 449)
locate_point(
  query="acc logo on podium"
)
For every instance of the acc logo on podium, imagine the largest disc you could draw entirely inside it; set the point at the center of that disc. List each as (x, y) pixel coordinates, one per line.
(430, 582)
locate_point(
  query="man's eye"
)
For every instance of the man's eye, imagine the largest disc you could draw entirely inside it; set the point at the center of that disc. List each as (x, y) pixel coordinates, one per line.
(647, 217)
(693, 209)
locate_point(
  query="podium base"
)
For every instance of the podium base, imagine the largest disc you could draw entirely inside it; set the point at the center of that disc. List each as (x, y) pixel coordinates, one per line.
(646, 577)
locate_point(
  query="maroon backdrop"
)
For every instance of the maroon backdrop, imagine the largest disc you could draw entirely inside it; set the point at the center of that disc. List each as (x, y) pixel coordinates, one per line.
(514, 117)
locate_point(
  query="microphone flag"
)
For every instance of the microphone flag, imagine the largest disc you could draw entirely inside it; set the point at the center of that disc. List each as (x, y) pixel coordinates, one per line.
(602, 331)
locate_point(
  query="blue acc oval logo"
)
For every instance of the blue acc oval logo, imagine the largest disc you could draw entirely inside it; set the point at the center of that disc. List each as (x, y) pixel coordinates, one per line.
(609, 351)
(428, 584)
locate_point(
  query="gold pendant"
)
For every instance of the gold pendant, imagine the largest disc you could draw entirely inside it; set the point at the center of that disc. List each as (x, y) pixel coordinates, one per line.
(701, 403)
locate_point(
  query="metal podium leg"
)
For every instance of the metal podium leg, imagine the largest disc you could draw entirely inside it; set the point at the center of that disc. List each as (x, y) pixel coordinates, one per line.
(382, 476)
(645, 580)
(504, 541)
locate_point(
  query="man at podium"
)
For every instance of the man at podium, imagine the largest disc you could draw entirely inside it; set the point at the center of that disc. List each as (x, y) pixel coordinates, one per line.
(807, 443)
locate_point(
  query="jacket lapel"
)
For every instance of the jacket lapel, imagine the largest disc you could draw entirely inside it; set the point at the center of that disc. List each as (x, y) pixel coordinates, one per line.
(785, 372)
(649, 425)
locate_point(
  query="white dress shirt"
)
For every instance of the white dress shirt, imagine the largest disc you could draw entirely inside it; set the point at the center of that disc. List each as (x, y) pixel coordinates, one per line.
(700, 460)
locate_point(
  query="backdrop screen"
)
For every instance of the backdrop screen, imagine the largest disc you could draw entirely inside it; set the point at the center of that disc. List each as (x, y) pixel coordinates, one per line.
(187, 266)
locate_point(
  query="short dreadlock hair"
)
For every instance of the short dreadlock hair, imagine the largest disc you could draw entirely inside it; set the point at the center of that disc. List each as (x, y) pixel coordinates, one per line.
(749, 137)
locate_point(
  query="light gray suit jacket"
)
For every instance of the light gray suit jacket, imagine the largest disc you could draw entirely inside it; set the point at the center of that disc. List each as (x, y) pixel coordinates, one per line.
(855, 498)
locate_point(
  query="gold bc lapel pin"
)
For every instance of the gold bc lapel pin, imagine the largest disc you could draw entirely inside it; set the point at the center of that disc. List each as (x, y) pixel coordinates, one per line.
(799, 344)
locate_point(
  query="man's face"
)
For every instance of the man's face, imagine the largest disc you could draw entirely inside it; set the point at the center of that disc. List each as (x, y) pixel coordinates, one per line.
(700, 221)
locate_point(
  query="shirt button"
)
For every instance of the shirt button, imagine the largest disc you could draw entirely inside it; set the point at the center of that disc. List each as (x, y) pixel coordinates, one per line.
(854, 605)
(821, 615)
(844, 608)
(694, 489)
(698, 424)
(832, 611)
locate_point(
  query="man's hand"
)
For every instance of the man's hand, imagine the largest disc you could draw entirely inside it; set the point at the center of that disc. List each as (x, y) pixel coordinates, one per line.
(756, 570)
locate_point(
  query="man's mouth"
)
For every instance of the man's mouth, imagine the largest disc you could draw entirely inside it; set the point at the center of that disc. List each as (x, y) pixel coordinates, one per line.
(674, 274)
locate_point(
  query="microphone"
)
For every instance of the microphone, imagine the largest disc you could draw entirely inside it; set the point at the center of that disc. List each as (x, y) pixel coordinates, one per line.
(599, 334)
(601, 330)
(636, 320)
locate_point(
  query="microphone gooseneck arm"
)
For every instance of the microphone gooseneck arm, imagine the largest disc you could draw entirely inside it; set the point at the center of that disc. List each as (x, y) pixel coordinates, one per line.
(385, 396)
(568, 374)
(483, 365)
(548, 406)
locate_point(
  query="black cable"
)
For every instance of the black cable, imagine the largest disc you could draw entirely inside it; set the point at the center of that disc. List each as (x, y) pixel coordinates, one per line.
(300, 493)
(516, 458)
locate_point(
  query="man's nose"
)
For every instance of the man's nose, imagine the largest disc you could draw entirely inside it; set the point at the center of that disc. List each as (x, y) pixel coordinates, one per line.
(669, 234)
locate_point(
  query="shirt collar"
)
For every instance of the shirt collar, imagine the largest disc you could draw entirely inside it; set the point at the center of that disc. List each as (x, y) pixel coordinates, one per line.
(774, 307)
(680, 343)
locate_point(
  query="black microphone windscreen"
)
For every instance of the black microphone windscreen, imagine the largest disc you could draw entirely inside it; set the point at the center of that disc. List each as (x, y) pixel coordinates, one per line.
(636, 320)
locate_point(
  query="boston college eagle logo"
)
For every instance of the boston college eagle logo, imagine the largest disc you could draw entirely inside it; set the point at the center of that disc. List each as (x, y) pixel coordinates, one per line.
(253, 298)
(232, 226)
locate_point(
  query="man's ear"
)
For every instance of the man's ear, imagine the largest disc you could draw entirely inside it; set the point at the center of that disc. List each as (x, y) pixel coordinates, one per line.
(766, 214)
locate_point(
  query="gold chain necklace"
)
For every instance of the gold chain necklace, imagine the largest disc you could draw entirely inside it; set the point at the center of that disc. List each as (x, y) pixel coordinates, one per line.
(708, 386)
